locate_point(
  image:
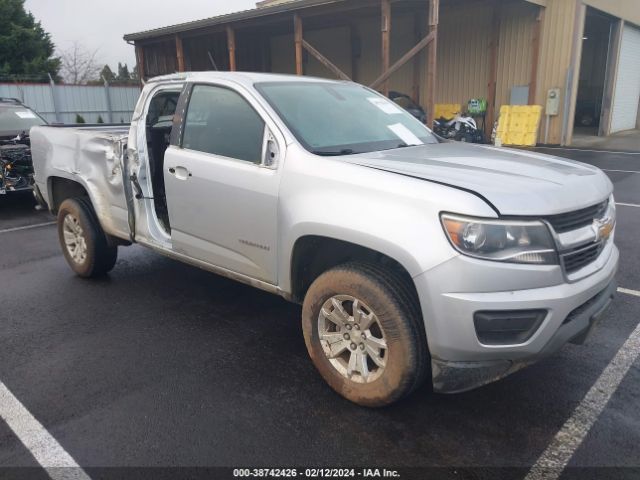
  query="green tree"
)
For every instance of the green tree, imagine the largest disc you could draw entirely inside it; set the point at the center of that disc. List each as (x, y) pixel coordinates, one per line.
(123, 73)
(107, 74)
(26, 50)
(80, 118)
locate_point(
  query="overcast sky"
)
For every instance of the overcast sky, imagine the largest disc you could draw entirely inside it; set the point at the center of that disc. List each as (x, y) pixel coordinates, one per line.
(100, 24)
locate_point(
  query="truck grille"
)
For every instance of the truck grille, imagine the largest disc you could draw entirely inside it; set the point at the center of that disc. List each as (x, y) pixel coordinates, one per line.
(580, 257)
(565, 222)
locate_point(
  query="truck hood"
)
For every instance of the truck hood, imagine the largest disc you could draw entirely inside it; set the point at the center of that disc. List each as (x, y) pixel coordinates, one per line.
(514, 182)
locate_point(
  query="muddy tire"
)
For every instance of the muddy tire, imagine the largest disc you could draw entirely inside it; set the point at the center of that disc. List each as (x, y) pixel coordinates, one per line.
(84, 243)
(364, 332)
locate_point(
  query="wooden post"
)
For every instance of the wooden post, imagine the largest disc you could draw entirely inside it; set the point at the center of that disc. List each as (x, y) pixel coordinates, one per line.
(356, 47)
(297, 27)
(386, 41)
(140, 61)
(428, 40)
(494, 45)
(179, 53)
(231, 45)
(432, 60)
(415, 91)
(535, 57)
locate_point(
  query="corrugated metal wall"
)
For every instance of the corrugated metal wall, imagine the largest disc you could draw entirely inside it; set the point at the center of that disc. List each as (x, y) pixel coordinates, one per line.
(283, 54)
(335, 44)
(88, 101)
(515, 53)
(198, 49)
(37, 96)
(556, 46)
(160, 58)
(463, 50)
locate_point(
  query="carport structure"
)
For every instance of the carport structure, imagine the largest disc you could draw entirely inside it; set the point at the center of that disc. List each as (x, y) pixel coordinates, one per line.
(306, 37)
(436, 51)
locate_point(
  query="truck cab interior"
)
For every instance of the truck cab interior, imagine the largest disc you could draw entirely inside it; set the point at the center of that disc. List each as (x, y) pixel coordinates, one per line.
(158, 125)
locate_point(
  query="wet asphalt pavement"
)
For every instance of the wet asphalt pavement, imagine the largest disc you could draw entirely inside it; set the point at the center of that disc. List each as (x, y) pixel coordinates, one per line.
(161, 364)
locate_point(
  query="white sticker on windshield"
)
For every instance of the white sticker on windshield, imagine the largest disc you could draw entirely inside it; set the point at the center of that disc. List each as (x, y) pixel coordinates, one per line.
(385, 105)
(406, 135)
(25, 114)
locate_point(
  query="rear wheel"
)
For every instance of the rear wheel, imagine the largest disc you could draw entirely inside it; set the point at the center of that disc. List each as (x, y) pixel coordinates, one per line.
(364, 333)
(84, 243)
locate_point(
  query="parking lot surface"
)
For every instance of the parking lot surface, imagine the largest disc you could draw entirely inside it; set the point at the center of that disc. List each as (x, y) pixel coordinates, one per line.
(161, 364)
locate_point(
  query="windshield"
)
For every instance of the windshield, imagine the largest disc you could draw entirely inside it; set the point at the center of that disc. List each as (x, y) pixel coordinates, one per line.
(343, 118)
(18, 119)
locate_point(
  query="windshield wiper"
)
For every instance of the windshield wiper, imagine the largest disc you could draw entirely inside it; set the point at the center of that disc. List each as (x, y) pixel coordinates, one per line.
(333, 153)
(400, 145)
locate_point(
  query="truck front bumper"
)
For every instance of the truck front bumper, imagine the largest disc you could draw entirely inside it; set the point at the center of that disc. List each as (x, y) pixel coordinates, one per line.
(460, 361)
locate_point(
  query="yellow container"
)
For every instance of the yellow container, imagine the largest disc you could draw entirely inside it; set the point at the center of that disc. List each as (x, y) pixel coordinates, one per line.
(518, 124)
(446, 110)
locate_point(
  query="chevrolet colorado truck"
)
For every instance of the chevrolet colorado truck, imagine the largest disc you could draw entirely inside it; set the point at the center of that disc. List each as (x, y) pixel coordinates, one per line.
(414, 258)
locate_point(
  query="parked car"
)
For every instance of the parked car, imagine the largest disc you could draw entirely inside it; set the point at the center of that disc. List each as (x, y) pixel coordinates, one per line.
(413, 258)
(16, 168)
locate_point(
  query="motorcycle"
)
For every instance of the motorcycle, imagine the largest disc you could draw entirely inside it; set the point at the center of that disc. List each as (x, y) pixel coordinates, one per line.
(16, 166)
(461, 128)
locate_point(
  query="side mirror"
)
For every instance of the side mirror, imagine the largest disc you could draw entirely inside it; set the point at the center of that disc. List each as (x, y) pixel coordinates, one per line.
(271, 151)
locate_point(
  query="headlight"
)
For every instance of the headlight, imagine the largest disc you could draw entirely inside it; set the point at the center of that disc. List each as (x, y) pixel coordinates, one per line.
(501, 241)
(611, 210)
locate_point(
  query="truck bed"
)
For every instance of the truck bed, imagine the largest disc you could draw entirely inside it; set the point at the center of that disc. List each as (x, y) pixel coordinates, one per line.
(91, 156)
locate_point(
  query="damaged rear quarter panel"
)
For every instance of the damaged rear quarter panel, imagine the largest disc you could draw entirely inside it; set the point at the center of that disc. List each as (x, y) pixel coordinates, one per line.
(91, 157)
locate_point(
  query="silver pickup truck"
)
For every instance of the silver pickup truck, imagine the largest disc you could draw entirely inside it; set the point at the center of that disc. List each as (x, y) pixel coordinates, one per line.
(413, 258)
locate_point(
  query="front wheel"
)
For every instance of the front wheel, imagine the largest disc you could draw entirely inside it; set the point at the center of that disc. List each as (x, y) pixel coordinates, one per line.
(84, 243)
(364, 333)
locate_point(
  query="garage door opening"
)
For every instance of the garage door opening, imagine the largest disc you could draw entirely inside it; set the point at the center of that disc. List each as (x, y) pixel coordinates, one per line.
(626, 95)
(596, 43)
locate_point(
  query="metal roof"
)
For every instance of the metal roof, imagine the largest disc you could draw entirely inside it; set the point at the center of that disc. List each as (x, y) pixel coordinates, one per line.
(228, 18)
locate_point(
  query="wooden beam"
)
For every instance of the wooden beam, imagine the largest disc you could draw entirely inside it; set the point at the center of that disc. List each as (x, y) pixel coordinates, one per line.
(386, 43)
(356, 47)
(179, 53)
(415, 89)
(494, 46)
(405, 58)
(297, 35)
(325, 61)
(535, 56)
(140, 60)
(432, 59)
(231, 46)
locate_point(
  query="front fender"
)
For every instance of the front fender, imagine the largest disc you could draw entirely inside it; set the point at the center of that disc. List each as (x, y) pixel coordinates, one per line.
(389, 213)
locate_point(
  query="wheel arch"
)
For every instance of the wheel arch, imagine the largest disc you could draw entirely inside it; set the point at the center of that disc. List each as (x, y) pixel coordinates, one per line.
(313, 254)
(60, 189)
